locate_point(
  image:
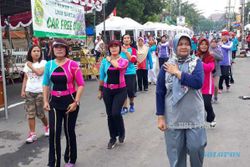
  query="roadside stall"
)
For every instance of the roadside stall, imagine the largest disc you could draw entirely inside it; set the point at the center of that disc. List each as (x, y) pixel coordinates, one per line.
(51, 19)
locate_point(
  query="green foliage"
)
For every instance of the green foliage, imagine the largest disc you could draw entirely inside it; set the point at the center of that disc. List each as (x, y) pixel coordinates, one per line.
(140, 10)
(247, 10)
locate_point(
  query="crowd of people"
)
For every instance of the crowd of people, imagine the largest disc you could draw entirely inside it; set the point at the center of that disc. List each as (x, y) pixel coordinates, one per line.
(189, 73)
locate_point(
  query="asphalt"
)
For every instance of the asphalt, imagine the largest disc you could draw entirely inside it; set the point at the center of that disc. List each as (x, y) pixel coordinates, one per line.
(228, 143)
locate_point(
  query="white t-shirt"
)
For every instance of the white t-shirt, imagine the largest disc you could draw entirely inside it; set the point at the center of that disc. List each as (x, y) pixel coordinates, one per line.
(34, 82)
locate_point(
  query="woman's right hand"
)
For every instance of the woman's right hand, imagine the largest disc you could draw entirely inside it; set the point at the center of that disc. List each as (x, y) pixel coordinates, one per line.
(23, 94)
(99, 96)
(46, 106)
(161, 123)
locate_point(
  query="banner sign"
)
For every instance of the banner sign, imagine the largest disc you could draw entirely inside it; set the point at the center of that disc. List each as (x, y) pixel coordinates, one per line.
(53, 18)
(180, 21)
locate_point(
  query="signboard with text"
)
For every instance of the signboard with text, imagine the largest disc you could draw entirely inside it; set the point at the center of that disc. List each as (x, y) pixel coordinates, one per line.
(180, 20)
(53, 18)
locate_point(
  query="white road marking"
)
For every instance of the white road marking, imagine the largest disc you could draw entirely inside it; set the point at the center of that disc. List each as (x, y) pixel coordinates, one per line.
(13, 105)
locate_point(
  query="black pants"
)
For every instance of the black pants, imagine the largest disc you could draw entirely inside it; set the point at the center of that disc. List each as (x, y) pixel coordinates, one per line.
(234, 54)
(131, 85)
(97, 55)
(162, 61)
(208, 107)
(114, 100)
(142, 76)
(55, 124)
(225, 72)
(231, 79)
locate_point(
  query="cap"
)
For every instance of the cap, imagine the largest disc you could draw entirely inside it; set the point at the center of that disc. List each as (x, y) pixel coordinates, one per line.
(60, 42)
(225, 33)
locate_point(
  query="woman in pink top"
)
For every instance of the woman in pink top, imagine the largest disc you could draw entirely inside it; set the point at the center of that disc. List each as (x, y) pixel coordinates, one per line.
(208, 85)
(113, 90)
(62, 100)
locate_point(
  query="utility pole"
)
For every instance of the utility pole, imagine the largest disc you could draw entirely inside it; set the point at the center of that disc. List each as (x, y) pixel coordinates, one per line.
(179, 7)
(242, 25)
(229, 16)
(104, 26)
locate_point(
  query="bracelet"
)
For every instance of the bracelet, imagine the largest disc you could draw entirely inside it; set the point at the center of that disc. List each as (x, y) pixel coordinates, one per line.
(101, 88)
(77, 102)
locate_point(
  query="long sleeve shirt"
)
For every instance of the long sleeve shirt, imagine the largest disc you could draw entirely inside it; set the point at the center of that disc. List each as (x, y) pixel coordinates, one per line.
(189, 111)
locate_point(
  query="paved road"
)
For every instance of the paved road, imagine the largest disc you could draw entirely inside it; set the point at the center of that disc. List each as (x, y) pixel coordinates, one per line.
(144, 145)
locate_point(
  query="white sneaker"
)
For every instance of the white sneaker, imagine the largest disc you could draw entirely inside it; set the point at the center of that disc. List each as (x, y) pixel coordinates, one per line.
(31, 138)
(46, 129)
(213, 124)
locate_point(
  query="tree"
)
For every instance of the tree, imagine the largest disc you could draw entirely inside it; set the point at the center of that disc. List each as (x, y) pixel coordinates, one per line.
(140, 10)
(247, 16)
(175, 7)
(109, 7)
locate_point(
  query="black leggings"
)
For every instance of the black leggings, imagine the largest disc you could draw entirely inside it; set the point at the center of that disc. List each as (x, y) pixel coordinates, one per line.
(55, 124)
(208, 107)
(142, 76)
(225, 73)
(114, 100)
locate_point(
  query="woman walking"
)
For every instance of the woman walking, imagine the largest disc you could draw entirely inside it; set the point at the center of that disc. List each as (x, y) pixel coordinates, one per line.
(32, 91)
(208, 85)
(60, 77)
(129, 53)
(163, 50)
(144, 61)
(225, 64)
(152, 73)
(215, 51)
(180, 106)
(113, 90)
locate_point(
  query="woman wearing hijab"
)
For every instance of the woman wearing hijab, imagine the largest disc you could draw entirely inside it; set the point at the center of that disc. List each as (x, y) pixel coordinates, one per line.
(215, 51)
(180, 106)
(144, 61)
(208, 86)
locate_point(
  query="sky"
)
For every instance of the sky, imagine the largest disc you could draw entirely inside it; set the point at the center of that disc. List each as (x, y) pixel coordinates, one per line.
(209, 7)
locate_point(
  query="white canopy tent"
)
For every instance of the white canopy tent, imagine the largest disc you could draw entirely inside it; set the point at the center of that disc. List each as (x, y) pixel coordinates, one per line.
(163, 28)
(157, 28)
(116, 23)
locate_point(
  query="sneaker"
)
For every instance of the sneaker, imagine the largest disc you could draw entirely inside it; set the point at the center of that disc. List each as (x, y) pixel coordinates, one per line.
(220, 91)
(124, 110)
(215, 100)
(121, 139)
(111, 143)
(69, 165)
(213, 124)
(131, 108)
(46, 129)
(31, 138)
(228, 89)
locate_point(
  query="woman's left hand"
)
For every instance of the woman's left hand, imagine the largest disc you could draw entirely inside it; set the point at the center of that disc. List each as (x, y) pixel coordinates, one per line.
(72, 107)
